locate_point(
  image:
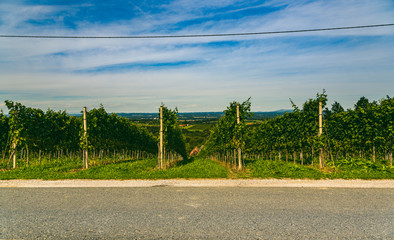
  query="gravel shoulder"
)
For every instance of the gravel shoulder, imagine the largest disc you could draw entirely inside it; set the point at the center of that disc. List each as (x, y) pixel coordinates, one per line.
(301, 183)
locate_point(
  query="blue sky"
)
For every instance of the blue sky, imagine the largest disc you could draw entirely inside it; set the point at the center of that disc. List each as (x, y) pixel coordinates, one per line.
(194, 74)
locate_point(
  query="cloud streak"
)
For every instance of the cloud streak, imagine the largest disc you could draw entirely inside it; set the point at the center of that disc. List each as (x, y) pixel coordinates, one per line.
(199, 74)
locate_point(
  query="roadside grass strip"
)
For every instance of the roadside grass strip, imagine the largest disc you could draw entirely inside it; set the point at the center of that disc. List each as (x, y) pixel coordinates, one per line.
(133, 169)
(196, 168)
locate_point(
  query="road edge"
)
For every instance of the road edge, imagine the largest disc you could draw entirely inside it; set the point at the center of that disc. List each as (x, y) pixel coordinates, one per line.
(301, 183)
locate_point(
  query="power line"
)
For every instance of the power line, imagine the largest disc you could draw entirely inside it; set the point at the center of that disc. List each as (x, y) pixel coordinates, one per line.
(204, 35)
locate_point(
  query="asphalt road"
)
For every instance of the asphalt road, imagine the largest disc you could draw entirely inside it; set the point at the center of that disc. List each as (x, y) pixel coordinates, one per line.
(196, 213)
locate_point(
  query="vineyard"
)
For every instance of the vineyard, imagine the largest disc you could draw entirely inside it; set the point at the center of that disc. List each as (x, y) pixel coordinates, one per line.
(31, 135)
(362, 136)
(348, 143)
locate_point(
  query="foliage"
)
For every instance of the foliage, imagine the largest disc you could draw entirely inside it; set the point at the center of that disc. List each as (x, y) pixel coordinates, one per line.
(109, 131)
(4, 132)
(352, 168)
(196, 135)
(173, 137)
(35, 129)
(356, 143)
(367, 128)
(52, 131)
(227, 134)
(360, 131)
(363, 165)
(66, 168)
(140, 169)
(291, 132)
(280, 169)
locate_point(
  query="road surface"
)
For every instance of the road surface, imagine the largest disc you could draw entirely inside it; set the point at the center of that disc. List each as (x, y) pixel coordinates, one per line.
(196, 213)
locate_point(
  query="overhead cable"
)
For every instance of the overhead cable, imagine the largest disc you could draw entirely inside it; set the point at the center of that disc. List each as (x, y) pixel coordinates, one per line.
(201, 35)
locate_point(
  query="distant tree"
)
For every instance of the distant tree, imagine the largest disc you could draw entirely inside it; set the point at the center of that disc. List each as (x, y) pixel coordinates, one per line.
(336, 108)
(363, 102)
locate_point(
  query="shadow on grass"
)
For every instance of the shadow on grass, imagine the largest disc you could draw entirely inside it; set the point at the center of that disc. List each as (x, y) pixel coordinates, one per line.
(185, 162)
(247, 162)
(104, 163)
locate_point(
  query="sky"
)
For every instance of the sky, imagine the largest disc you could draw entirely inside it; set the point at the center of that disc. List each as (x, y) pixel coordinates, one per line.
(193, 74)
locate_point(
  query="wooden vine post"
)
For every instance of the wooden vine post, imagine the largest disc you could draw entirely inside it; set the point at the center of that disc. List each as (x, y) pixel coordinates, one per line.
(85, 133)
(373, 153)
(14, 145)
(161, 139)
(320, 132)
(14, 154)
(239, 146)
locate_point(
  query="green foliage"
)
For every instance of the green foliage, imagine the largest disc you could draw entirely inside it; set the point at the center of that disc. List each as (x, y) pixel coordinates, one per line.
(140, 169)
(52, 131)
(352, 168)
(196, 135)
(173, 137)
(355, 132)
(279, 169)
(337, 107)
(46, 170)
(4, 132)
(35, 129)
(291, 132)
(65, 168)
(227, 134)
(109, 131)
(360, 164)
(369, 126)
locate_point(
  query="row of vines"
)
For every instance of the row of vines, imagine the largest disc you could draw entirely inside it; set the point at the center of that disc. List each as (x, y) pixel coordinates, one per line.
(365, 132)
(32, 135)
(174, 146)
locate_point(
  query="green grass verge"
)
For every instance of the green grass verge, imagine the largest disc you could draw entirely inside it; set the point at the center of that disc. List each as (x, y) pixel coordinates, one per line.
(197, 168)
(274, 169)
(138, 169)
(362, 169)
(344, 169)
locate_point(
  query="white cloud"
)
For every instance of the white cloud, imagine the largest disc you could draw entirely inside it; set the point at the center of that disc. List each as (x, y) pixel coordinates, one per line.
(269, 68)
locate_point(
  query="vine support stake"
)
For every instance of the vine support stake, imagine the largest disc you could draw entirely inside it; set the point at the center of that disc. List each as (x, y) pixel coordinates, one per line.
(161, 139)
(14, 143)
(239, 147)
(14, 154)
(320, 132)
(85, 133)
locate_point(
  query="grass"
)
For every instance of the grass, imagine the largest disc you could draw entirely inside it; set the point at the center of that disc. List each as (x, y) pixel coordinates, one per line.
(147, 169)
(279, 169)
(363, 169)
(344, 169)
(135, 169)
(196, 168)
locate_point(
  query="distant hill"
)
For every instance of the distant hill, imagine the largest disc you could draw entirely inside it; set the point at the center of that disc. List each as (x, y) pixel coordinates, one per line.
(201, 116)
(269, 115)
